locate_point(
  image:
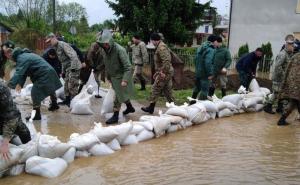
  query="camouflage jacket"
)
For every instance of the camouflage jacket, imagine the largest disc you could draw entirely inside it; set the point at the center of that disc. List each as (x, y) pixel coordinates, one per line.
(95, 57)
(290, 87)
(8, 108)
(162, 59)
(280, 65)
(67, 56)
(139, 53)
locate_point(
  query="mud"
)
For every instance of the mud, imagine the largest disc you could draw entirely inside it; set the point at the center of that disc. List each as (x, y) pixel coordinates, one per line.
(244, 149)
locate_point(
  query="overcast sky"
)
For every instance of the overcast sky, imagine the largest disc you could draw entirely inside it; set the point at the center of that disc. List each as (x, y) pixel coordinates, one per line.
(98, 10)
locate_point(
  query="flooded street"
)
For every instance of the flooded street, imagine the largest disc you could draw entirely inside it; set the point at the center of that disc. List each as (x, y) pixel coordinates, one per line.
(243, 149)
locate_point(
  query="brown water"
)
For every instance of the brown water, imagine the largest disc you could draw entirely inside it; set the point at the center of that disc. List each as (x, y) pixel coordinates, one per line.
(244, 149)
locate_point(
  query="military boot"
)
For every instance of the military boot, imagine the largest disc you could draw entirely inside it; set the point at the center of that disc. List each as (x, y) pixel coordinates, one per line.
(129, 108)
(279, 108)
(149, 109)
(37, 115)
(143, 85)
(67, 101)
(113, 119)
(268, 108)
(53, 106)
(194, 96)
(211, 91)
(282, 121)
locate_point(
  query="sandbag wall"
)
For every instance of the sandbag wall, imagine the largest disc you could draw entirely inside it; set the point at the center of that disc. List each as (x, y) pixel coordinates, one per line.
(47, 156)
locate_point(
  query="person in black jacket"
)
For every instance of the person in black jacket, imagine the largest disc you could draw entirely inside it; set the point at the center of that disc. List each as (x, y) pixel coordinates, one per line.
(247, 65)
(51, 57)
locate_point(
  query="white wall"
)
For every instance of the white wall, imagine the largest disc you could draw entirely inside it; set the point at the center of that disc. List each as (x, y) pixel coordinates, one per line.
(201, 29)
(261, 21)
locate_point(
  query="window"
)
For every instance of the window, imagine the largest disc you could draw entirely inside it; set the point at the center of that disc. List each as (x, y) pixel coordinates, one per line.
(206, 29)
(298, 7)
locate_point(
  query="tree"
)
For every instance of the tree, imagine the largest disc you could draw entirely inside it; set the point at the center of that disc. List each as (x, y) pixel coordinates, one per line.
(244, 49)
(176, 19)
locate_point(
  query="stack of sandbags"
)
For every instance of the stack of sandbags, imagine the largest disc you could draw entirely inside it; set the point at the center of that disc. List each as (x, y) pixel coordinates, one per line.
(159, 124)
(224, 108)
(24, 97)
(81, 104)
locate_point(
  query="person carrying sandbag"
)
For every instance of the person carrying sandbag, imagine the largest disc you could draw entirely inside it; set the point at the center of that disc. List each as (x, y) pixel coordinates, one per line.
(119, 73)
(10, 121)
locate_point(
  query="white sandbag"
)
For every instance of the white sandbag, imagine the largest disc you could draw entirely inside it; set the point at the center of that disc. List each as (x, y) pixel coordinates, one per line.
(177, 111)
(265, 90)
(259, 107)
(225, 113)
(84, 141)
(233, 98)
(173, 119)
(92, 83)
(82, 107)
(16, 170)
(218, 102)
(45, 167)
(14, 157)
(51, 147)
(254, 94)
(146, 124)
(108, 102)
(196, 114)
(104, 134)
(145, 135)
(254, 87)
(114, 145)
(146, 118)
(130, 140)
(123, 130)
(242, 90)
(69, 155)
(250, 102)
(30, 149)
(212, 115)
(60, 93)
(16, 140)
(174, 128)
(160, 125)
(230, 106)
(136, 129)
(250, 109)
(209, 106)
(100, 150)
(186, 123)
(84, 153)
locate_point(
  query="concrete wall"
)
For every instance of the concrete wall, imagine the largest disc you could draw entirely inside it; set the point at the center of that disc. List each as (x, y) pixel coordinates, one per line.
(261, 21)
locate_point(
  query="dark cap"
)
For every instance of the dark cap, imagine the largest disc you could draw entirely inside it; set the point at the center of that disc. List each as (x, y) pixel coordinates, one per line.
(8, 44)
(155, 37)
(212, 38)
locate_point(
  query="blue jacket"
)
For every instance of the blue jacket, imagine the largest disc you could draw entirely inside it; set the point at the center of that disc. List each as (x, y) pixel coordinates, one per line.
(248, 63)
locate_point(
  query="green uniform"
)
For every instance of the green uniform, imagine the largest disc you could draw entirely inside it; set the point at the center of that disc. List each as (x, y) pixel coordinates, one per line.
(204, 68)
(43, 76)
(118, 69)
(162, 59)
(139, 58)
(71, 66)
(222, 59)
(10, 117)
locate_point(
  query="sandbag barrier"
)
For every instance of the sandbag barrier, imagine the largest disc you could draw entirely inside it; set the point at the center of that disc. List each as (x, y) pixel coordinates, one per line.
(47, 156)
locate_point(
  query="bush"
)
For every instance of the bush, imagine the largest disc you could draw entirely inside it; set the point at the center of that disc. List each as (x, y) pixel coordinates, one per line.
(244, 49)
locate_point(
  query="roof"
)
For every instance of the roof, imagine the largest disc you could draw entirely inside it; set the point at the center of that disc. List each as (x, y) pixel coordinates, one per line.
(6, 27)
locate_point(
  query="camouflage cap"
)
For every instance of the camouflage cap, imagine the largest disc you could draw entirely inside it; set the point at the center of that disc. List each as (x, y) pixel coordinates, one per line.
(105, 37)
(49, 37)
(8, 44)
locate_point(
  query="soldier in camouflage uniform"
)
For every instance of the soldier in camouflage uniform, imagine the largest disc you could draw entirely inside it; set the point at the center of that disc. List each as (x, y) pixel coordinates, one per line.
(139, 57)
(290, 88)
(163, 75)
(3, 58)
(279, 70)
(71, 66)
(10, 121)
(94, 59)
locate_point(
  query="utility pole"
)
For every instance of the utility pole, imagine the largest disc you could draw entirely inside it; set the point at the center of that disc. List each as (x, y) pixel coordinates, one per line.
(54, 21)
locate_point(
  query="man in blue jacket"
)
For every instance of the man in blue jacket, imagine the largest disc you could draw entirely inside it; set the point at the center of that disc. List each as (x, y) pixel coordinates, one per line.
(247, 65)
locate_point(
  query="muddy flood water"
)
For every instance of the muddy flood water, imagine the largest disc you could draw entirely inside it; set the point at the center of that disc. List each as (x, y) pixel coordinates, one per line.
(244, 149)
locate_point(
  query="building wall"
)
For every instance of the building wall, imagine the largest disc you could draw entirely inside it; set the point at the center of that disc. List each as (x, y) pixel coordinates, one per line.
(261, 21)
(205, 28)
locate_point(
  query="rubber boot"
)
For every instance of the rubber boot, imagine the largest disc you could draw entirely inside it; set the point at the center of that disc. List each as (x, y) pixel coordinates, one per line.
(211, 91)
(143, 85)
(67, 101)
(113, 119)
(282, 121)
(279, 108)
(149, 109)
(268, 108)
(194, 96)
(129, 108)
(53, 106)
(223, 90)
(37, 114)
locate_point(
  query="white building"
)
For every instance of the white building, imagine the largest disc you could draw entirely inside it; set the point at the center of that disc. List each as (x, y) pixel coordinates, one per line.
(261, 21)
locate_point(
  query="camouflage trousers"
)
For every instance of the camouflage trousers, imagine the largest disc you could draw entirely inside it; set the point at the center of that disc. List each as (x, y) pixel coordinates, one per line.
(202, 86)
(138, 73)
(222, 78)
(162, 86)
(15, 127)
(293, 104)
(72, 83)
(273, 98)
